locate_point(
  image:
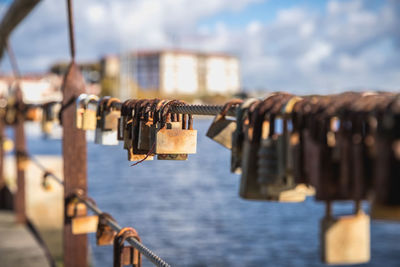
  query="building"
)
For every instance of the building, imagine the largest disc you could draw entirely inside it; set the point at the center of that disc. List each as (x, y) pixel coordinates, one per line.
(35, 88)
(171, 72)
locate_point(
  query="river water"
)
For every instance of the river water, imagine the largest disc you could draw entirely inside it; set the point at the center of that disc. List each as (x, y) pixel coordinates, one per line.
(190, 214)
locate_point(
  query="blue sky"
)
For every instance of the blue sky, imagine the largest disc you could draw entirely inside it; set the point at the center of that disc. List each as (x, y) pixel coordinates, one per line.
(296, 46)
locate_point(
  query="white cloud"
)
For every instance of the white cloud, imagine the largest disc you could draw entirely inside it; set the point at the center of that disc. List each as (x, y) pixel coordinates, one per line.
(349, 44)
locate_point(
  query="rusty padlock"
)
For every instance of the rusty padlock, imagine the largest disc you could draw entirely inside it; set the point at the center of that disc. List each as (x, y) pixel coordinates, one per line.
(386, 200)
(145, 123)
(345, 239)
(131, 134)
(80, 222)
(105, 234)
(168, 140)
(126, 255)
(238, 134)
(249, 185)
(176, 123)
(275, 169)
(222, 128)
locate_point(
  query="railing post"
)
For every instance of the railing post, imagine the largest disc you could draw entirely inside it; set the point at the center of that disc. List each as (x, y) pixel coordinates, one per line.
(74, 153)
(20, 149)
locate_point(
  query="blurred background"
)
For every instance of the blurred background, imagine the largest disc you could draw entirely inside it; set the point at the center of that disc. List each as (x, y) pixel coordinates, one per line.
(221, 47)
(206, 52)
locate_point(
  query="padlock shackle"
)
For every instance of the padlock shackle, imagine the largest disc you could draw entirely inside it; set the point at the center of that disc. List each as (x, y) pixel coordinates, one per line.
(80, 99)
(89, 99)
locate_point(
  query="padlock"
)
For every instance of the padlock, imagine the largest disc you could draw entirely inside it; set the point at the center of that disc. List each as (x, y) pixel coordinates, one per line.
(238, 135)
(126, 255)
(386, 200)
(84, 224)
(45, 182)
(105, 234)
(176, 141)
(345, 239)
(131, 132)
(111, 115)
(79, 110)
(176, 123)
(89, 118)
(34, 114)
(171, 140)
(103, 135)
(80, 222)
(249, 185)
(145, 124)
(222, 128)
(275, 168)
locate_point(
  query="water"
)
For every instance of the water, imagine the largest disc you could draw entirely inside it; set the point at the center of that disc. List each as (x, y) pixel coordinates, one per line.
(190, 214)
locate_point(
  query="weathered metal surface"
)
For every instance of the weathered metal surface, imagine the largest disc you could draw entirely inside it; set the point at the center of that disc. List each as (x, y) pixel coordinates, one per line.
(75, 170)
(20, 148)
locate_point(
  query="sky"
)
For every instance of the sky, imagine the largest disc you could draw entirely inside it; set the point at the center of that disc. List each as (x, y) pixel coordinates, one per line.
(296, 46)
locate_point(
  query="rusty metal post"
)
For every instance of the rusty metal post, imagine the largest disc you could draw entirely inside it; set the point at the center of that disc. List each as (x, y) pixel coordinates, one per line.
(74, 153)
(20, 150)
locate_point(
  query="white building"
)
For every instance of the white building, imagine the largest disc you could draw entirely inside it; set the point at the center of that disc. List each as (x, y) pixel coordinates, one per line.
(176, 72)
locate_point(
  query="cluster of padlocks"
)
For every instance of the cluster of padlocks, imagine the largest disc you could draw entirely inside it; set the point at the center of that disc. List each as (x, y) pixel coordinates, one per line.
(81, 223)
(146, 127)
(346, 146)
(286, 147)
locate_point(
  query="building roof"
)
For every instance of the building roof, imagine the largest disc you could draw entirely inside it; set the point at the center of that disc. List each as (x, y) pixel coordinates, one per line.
(180, 51)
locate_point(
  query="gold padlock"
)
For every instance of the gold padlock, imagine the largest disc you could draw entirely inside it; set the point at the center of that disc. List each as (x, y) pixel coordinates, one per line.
(84, 224)
(111, 115)
(345, 239)
(221, 129)
(89, 118)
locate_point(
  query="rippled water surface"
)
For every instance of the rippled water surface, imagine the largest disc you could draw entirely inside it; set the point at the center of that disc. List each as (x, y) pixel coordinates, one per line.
(190, 214)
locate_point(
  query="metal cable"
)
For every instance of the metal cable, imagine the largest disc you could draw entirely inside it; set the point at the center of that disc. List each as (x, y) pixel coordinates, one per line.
(210, 110)
(138, 245)
(43, 168)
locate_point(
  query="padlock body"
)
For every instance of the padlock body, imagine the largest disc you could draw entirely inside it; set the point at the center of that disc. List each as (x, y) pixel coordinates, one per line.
(221, 131)
(105, 236)
(108, 138)
(249, 186)
(89, 120)
(175, 141)
(111, 120)
(346, 239)
(385, 212)
(84, 224)
(144, 135)
(75, 209)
